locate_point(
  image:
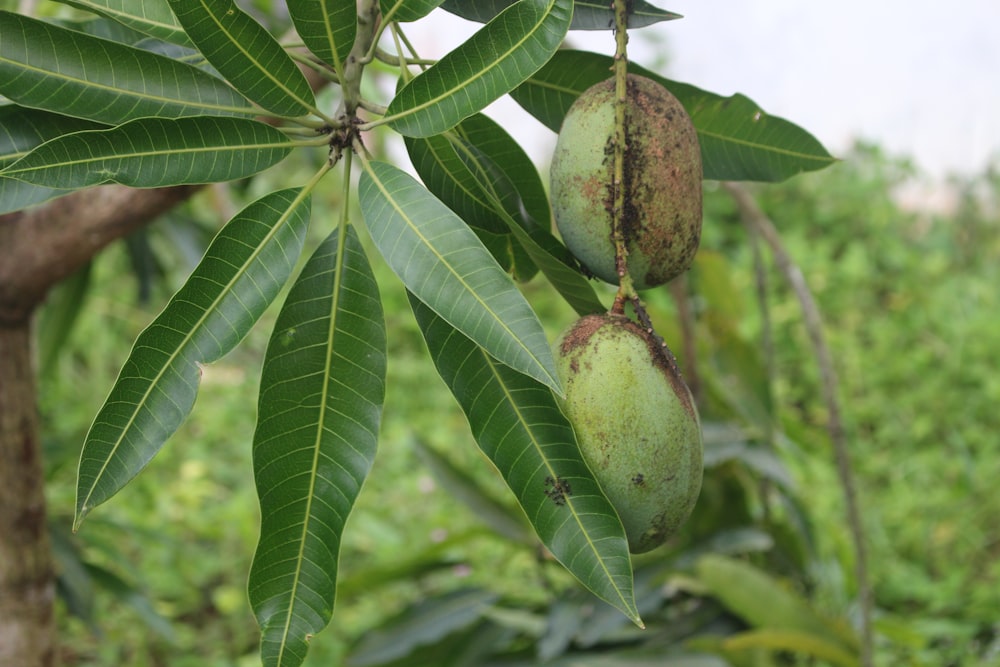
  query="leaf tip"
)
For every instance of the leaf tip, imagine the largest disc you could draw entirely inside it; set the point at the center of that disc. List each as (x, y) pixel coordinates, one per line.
(557, 388)
(81, 514)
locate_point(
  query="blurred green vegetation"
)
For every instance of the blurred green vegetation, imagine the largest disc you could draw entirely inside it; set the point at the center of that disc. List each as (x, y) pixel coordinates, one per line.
(910, 305)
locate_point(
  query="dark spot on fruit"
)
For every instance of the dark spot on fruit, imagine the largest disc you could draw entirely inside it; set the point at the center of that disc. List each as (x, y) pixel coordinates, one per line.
(659, 191)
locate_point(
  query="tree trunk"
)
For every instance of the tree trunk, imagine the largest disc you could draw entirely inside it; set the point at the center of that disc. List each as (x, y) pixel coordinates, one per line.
(38, 248)
(27, 585)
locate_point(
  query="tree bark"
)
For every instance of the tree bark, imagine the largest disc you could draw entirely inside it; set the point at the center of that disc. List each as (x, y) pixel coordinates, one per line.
(41, 246)
(38, 248)
(27, 587)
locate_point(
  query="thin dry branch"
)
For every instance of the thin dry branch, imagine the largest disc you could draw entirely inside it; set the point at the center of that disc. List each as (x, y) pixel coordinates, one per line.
(685, 313)
(759, 223)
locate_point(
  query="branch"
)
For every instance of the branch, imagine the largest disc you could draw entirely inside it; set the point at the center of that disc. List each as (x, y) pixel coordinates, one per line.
(42, 246)
(755, 219)
(369, 19)
(689, 351)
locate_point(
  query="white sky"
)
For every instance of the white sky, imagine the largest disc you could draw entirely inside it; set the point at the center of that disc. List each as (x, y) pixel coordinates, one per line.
(920, 79)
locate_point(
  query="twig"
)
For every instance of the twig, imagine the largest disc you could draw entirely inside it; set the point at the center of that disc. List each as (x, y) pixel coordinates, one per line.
(755, 219)
(767, 343)
(685, 314)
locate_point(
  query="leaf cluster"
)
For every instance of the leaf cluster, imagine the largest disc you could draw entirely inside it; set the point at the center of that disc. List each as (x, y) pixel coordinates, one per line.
(185, 92)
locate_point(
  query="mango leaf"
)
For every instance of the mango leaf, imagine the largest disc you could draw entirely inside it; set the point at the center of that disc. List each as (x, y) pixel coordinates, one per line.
(154, 152)
(22, 129)
(739, 141)
(508, 255)
(442, 262)
(483, 175)
(47, 67)
(476, 190)
(422, 624)
(489, 64)
(327, 27)
(241, 273)
(246, 55)
(502, 194)
(740, 587)
(150, 17)
(587, 14)
(517, 424)
(801, 643)
(546, 252)
(321, 396)
(555, 261)
(407, 10)
(445, 174)
(462, 487)
(527, 200)
(16, 195)
(109, 29)
(511, 182)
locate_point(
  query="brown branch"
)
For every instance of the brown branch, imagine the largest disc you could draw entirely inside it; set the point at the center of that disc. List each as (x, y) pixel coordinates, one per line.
(755, 219)
(27, 589)
(41, 246)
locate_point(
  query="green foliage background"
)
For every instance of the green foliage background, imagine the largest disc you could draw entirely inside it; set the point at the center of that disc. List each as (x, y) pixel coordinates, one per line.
(905, 294)
(910, 308)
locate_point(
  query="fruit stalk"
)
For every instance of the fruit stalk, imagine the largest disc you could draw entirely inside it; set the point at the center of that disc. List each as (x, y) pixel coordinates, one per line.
(620, 145)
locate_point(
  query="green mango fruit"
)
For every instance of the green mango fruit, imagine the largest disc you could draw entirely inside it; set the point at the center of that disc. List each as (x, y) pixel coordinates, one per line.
(662, 180)
(635, 422)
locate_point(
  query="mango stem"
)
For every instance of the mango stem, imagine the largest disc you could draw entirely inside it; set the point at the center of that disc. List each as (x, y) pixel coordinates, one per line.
(626, 290)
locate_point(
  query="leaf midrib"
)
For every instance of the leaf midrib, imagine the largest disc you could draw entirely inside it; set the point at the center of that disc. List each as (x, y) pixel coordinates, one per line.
(138, 156)
(461, 280)
(185, 341)
(197, 104)
(553, 474)
(266, 71)
(317, 440)
(480, 73)
(440, 160)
